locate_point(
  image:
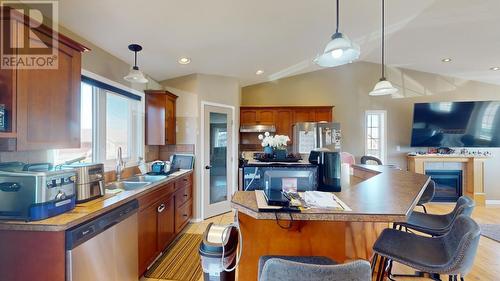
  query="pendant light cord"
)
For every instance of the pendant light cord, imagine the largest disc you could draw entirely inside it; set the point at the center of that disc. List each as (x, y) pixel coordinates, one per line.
(337, 30)
(383, 31)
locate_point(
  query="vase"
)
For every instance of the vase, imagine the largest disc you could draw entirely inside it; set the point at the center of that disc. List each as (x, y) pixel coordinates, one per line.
(268, 150)
(280, 154)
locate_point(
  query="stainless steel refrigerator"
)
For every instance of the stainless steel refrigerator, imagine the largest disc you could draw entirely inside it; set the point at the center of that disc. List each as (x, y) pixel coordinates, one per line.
(312, 136)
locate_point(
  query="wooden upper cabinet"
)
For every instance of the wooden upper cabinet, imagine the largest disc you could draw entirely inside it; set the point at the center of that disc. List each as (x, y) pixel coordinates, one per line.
(248, 117)
(160, 117)
(284, 119)
(304, 115)
(170, 112)
(323, 114)
(257, 116)
(155, 118)
(47, 101)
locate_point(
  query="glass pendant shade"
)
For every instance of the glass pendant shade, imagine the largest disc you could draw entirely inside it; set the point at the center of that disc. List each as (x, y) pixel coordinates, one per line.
(340, 50)
(382, 88)
(135, 76)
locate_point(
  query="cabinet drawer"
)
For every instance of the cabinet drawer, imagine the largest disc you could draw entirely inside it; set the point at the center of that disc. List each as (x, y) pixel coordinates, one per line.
(182, 216)
(183, 195)
(153, 196)
(184, 181)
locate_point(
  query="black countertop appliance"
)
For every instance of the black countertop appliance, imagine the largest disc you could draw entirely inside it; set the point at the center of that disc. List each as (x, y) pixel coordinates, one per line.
(329, 164)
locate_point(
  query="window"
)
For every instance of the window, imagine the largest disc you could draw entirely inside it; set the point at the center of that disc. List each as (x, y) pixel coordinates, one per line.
(86, 130)
(108, 120)
(375, 143)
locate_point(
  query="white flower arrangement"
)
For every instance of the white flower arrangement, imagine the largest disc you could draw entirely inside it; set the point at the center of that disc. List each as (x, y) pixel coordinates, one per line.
(276, 142)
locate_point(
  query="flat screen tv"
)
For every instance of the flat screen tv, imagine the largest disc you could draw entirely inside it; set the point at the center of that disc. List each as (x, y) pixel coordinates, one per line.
(456, 124)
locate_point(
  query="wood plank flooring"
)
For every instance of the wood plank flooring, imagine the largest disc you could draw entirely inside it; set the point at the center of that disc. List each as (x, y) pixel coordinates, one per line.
(487, 263)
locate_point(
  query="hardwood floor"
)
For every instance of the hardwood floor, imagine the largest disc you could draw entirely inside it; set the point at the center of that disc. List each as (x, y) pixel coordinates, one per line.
(486, 265)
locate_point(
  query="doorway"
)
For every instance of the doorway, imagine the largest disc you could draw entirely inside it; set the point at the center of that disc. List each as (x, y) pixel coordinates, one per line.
(217, 159)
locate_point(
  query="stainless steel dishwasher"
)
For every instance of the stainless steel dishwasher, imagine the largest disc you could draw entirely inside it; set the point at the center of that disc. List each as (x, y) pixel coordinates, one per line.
(105, 248)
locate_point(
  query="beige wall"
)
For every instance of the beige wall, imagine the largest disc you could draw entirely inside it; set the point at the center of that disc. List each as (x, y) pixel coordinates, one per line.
(347, 88)
(192, 91)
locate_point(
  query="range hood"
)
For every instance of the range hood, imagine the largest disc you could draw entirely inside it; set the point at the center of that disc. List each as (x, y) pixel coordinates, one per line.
(257, 128)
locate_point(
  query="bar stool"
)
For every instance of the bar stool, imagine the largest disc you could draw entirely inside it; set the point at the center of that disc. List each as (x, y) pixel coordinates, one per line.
(437, 225)
(451, 254)
(367, 158)
(428, 195)
(281, 268)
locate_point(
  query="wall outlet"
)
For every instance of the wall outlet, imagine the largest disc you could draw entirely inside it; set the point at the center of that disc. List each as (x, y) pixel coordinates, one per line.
(398, 148)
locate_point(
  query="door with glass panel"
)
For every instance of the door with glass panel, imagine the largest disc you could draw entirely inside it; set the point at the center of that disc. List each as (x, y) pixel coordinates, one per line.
(217, 162)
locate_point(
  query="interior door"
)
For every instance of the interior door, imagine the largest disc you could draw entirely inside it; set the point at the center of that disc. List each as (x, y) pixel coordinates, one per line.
(218, 175)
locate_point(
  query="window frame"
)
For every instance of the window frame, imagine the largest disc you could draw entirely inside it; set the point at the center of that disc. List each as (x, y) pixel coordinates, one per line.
(136, 136)
(382, 115)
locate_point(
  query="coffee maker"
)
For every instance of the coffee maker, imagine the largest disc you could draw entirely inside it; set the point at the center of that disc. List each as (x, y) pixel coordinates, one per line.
(329, 164)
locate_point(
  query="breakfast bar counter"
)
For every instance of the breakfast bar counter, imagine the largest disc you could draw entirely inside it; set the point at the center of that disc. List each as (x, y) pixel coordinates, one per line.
(376, 196)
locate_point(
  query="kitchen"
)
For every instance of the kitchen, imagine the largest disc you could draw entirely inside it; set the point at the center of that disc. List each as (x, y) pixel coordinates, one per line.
(129, 149)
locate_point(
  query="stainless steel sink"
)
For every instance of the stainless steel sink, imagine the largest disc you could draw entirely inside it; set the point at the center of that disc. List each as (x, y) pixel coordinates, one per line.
(145, 178)
(127, 185)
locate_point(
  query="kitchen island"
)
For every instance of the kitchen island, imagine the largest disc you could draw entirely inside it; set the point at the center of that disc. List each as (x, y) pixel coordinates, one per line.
(376, 195)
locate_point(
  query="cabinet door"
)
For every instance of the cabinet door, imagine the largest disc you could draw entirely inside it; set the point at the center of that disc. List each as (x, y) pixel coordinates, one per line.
(248, 117)
(170, 120)
(265, 116)
(166, 223)
(323, 114)
(147, 237)
(48, 103)
(303, 115)
(155, 119)
(284, 122)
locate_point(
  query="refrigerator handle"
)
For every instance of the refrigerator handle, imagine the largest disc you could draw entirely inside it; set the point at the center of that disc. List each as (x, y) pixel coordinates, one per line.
(320, 136)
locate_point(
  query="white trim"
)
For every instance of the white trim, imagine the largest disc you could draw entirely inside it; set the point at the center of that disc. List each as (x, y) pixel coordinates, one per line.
(112, 83)
(202, 152)
(383, 145)
(492, 202)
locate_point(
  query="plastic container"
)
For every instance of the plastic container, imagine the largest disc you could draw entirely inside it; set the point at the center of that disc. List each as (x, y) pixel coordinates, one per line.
(211, 251)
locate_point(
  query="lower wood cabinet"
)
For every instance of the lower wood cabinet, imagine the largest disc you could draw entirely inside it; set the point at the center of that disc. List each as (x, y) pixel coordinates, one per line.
(163, 214)
(165, 222)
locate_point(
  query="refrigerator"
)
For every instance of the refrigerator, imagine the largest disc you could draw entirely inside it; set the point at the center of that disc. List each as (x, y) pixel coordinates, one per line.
(310, 136)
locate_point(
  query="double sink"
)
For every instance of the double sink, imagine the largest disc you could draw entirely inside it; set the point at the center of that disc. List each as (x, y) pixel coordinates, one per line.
(135, 182)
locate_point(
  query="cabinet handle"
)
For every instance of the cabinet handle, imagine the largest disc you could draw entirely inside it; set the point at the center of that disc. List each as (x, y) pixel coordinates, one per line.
(161, 208)
(185, 179)
(185, 195)
(185, 215)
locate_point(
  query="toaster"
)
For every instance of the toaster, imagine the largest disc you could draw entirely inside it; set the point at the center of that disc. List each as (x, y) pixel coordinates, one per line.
(36, 195)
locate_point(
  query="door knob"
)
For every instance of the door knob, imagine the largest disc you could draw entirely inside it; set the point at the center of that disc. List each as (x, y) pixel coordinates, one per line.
(208, 167)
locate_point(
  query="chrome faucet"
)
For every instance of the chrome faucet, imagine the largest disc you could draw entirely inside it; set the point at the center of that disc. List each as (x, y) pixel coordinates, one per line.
(120, 164)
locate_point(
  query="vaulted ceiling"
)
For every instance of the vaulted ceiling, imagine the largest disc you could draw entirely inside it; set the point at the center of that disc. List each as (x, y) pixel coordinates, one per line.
(236, 37)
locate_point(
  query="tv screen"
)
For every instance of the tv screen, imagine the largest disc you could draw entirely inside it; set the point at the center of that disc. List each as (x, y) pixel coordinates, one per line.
(456, 124)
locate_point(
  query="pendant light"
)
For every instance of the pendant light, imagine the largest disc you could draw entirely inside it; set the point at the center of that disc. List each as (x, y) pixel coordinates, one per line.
(340, 50)
(383, 87)
(135, 75)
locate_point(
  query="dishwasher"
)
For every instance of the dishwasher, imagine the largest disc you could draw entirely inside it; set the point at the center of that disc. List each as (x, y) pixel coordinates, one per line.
(105, 248)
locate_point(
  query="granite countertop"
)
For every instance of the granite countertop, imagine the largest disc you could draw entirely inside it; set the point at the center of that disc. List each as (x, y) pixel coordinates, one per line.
(374, 193)
(88, 210)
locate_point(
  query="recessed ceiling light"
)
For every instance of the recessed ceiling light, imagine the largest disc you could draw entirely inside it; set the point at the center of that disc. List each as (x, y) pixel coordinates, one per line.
(184, 60)
(259, 72)
(446, 60)
(495, 68)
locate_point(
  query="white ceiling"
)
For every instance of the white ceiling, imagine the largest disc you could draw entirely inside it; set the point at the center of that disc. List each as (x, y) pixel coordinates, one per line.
(237, 37)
